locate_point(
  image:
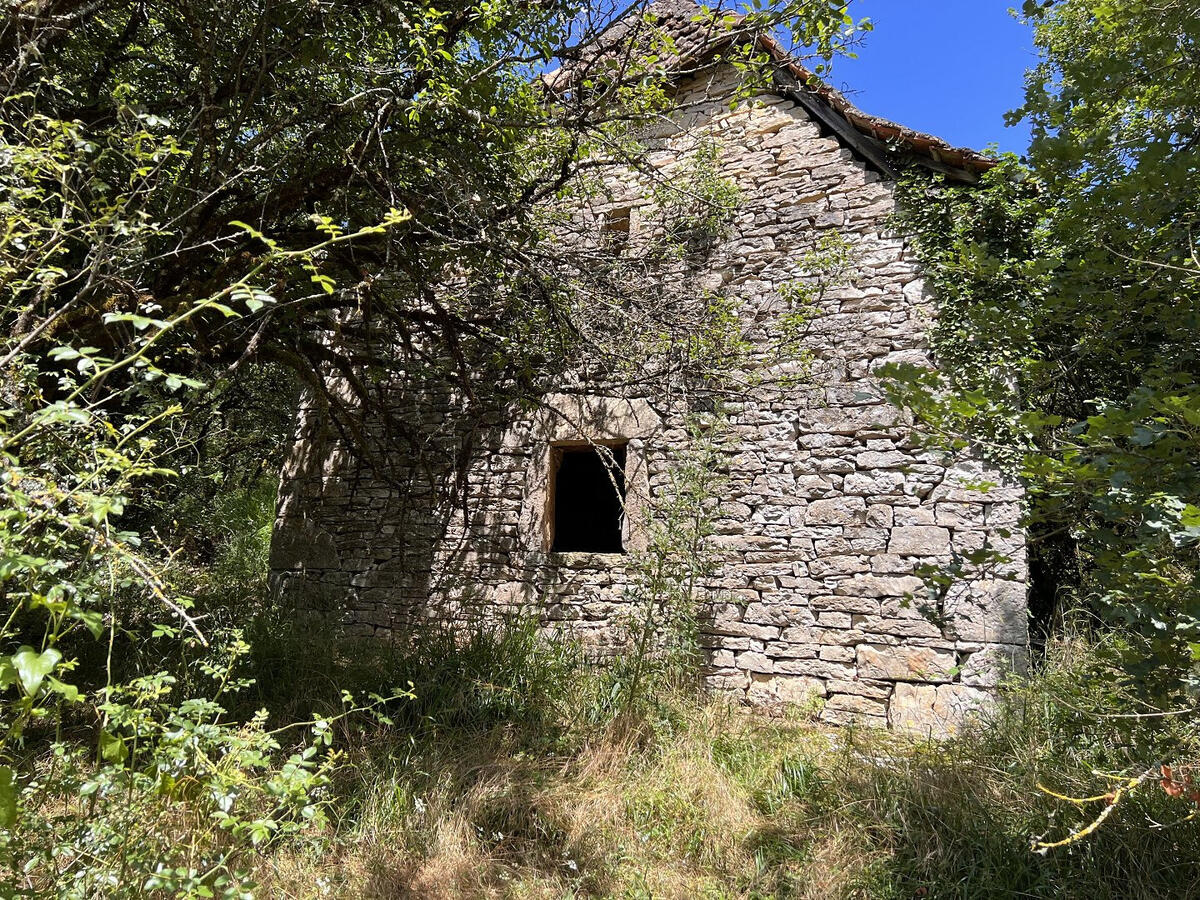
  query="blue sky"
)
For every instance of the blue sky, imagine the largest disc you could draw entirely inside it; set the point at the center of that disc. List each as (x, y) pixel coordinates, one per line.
(948, 67)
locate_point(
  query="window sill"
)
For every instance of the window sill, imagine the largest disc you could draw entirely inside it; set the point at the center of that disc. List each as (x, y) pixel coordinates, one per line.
(584, 560)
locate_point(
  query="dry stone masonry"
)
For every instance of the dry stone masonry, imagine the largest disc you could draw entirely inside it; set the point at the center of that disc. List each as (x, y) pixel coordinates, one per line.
(828, 511)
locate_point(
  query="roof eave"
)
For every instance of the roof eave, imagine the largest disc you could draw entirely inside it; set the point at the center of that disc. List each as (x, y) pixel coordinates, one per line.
(870, 136)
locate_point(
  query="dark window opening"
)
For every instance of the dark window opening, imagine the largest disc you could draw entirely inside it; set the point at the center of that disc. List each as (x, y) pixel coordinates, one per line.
(588, 496)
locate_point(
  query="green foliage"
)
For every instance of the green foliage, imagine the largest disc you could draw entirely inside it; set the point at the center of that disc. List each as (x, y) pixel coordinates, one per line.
(154, 763)
(668, 574)
(697, 204)
(1068, 313)
(168, 800)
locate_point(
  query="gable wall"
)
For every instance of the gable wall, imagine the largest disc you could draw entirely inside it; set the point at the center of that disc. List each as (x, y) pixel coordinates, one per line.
(828, 508)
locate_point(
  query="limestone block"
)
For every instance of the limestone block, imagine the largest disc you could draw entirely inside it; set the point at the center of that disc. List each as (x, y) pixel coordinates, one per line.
(905, 663)
(839, 565)
(968, 481)
(855, 541)
(753, 661)
(830, 464)
(881, 586)
(897, 626)
(874, 483)
(1004, 516)
(850, 420)
(887, 564)
(834, 619)
(817, 668)
(744, 629)
(988, 611)
(919, 540)
(837, 654)
(812, 486)
(777, 689)
(837, 511)
(775, 615)
(721, 659)
(881, 515)
(887, 459)
(914, 515)
(935, 710)
(987, 667)
(841, 709)
(302, 544)
(726, 681)
(959, 515)
(801, 634)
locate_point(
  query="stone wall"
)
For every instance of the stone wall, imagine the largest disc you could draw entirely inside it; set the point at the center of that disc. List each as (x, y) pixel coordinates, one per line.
(828, 511)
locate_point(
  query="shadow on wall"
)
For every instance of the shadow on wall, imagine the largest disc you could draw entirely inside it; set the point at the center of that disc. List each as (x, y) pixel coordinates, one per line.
(440, 511)
(370, 500)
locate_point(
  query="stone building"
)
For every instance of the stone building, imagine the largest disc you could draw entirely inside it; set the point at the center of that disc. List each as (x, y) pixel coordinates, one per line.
(827, 510)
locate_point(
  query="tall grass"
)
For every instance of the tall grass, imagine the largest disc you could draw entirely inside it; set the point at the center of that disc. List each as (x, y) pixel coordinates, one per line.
(508, 776)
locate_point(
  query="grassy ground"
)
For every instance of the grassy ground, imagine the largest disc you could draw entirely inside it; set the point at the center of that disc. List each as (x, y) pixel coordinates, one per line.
(517, 788)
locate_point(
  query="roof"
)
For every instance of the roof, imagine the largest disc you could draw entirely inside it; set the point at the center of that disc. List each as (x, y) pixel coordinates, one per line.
(699, 39)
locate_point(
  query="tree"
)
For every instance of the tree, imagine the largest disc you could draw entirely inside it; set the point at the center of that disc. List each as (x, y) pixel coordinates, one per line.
(1071, 301)
(350, 191)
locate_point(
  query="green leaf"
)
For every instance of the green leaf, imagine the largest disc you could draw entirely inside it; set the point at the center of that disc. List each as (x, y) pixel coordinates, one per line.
(112, 748)
(8, 673)
(32, 667)
(68, 692)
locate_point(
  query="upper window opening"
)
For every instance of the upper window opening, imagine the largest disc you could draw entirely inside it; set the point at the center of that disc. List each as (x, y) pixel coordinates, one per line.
(588, 493)
(615, 228)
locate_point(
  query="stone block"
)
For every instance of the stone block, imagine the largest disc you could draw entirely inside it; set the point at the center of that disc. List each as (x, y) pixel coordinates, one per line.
(969, 482)
(873, 484)
(837, 654)
(898, 627)
(720, 659)
(778, 650)
(775, 614)
(887, 459)
(959, 515)
(726, 681)
(887, 564)
(744, 629)
(753, 661)
(987, 667)
(837, 511)
(784, 689)
(988, 611)
(816, 668)
(839, 565)
(851, 420)
(914, 515)
(801, 634)
(881, 586)
(935, 710)
(919, 540)
(904, 663)
(881, 515)
(302, 544)
(844, 709)
(831, 619)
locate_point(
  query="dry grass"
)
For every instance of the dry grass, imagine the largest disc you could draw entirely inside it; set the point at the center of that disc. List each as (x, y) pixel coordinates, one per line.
(678, 809)
(696, 799)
